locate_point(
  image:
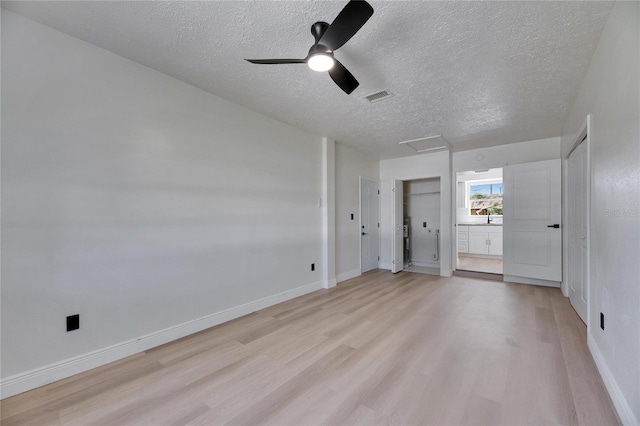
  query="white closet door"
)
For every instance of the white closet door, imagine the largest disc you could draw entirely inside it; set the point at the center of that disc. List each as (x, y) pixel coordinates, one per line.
(398, 221)
(532, 218)
(577, 229)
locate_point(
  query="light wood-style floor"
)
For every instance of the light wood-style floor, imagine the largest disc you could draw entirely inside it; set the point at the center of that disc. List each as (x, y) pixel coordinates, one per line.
(478, 264)
(403, 349)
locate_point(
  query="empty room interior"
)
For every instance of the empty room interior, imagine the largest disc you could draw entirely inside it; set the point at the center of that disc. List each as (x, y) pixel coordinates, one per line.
(320, 212)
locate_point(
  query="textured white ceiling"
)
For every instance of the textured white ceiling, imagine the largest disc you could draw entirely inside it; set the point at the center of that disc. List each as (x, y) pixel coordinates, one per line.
(477, 73)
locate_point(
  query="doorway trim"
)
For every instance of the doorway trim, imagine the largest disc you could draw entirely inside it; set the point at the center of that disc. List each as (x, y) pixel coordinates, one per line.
(388, 199)
(377, 182)
(430, 211)
(582, 136)
(459, 189)
(397, 252)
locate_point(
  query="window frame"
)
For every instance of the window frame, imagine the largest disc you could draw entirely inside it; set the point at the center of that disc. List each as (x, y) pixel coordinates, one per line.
(468, 199)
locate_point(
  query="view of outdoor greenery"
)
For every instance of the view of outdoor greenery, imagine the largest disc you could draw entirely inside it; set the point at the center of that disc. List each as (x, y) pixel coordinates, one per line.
(486, 199)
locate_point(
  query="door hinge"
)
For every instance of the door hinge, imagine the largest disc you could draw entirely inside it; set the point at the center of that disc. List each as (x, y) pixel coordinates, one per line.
(378, 192)
(378, 258)
(378, 225)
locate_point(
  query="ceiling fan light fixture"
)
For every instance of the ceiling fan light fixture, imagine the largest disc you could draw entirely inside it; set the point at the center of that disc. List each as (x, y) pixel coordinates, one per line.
(328, 39)
(320, 62)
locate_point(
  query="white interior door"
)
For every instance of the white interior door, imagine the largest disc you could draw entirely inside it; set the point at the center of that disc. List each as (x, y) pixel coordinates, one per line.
(369, 224)
(532, 218)
(577, 229)
(397, 254)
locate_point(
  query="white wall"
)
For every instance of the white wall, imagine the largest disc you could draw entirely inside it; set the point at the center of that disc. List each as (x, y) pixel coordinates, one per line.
(500, 156)
(350, 166)
(409, 168)
(138, 201)
(328, 205)
(611, 94)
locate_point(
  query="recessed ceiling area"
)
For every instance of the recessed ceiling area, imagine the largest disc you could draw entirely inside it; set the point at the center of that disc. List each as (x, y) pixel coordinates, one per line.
(478, 73)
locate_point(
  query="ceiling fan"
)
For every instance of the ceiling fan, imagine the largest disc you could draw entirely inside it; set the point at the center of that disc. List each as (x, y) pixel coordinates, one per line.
(330, 38)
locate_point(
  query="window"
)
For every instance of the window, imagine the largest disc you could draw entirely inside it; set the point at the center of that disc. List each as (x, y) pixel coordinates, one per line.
(485, 198)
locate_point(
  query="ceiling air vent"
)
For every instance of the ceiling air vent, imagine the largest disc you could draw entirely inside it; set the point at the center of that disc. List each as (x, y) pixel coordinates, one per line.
(378, 96)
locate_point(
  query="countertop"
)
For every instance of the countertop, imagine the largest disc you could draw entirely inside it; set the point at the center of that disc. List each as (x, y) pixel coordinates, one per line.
(480, 224)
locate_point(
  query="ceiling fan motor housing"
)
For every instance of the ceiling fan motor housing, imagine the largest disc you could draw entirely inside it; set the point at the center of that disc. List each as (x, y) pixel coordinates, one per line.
(318, 29)
(319, 48)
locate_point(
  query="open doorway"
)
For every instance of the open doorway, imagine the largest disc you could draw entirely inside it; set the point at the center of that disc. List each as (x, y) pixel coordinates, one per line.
(479, 203)
(421, 226)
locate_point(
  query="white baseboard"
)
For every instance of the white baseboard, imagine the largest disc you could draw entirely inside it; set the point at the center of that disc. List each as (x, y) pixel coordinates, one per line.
(384, 265)
(617, 397)
(41, 376)
(534, 281)
(348, 275)
(329, 283)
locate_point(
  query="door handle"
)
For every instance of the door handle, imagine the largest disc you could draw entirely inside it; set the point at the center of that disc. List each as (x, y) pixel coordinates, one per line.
(364, 233)
(555, 225)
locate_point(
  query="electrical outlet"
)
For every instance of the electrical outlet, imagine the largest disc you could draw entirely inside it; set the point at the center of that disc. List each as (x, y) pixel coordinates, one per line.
(313, 267)
(73, 322)
(601, 320)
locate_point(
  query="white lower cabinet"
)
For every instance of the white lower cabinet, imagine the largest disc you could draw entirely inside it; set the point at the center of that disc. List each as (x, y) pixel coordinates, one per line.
(495, 241)
(485, 240)
(478, 242)
(463, 239)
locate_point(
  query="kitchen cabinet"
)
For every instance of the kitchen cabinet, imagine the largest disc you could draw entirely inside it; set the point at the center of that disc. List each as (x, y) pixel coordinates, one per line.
(463, 239)
(485, 240)
(495, 240)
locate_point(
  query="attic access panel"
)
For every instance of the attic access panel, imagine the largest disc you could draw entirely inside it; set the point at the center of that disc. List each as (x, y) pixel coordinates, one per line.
(428, 144)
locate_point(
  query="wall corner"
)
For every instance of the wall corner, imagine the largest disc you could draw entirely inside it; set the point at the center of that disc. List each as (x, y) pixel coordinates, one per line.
(328, 212)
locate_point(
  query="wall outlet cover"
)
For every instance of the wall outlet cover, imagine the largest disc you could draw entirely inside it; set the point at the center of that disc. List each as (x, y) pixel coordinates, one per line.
(73, 322)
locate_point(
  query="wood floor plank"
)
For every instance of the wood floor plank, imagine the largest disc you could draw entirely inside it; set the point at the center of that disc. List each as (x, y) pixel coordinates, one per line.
(582, 372)
(381, 348)
(283, 396)
(37, 398)
(230, 397)
(139, 395)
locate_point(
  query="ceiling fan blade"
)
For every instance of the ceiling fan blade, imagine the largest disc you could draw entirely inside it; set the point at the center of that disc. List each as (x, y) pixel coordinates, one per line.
(277, 61)
(343, 78)
(354, 15)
